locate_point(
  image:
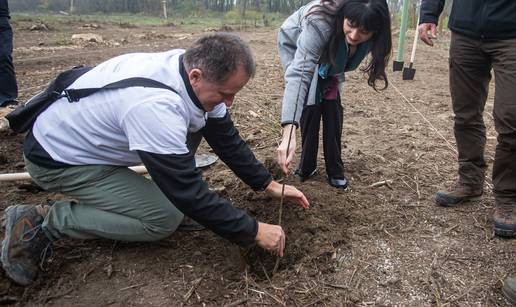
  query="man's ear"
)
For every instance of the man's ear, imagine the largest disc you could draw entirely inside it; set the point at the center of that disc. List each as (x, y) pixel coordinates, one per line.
(195, 76)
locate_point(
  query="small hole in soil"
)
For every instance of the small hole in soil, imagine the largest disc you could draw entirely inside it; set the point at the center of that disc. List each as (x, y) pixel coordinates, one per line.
(260, 261)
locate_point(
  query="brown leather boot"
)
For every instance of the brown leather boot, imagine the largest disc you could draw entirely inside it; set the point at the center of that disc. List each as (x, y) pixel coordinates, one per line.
(504, 217)
(459, 193)
(470, 186)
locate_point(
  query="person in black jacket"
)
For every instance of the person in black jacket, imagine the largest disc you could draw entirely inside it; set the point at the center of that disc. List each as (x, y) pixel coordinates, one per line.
(483, 38)
(8, 85)
(83, 149)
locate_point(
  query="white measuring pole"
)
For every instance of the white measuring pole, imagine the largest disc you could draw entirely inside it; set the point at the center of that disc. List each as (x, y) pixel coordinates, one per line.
(140, 169)
(414, 45)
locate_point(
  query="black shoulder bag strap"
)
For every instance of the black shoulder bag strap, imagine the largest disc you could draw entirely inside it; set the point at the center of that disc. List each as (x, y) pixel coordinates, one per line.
(74, 95)
(23, 117)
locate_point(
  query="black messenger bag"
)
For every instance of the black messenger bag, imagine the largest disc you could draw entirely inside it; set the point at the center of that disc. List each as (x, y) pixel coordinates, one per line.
(23, 117)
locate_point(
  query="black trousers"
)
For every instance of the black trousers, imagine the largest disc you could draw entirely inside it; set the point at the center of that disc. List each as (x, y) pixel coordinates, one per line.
(471, 62)
(331, 112)
(8, 86)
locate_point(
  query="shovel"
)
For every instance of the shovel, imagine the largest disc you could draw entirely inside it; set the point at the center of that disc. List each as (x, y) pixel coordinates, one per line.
(204, 160)
(409, 72)
(398, 64)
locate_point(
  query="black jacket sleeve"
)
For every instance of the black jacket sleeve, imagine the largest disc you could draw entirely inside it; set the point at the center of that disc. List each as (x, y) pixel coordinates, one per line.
(4, 8)
(223, 137)
(430, 11)
(182, 183)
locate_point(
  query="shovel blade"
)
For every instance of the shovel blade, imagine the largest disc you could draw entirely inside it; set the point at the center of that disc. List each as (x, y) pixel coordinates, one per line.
(408, 73)
(397, 66)
(204, 160)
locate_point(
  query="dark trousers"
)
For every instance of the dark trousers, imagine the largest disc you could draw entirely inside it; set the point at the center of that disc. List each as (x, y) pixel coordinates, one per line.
(8, 86)
(471, 61)
(331, 112)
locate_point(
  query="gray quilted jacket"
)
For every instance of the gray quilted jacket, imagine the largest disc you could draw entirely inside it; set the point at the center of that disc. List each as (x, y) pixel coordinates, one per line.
(301, 42)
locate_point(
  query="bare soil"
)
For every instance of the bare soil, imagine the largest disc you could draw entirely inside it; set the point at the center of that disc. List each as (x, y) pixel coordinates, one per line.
(388, 245)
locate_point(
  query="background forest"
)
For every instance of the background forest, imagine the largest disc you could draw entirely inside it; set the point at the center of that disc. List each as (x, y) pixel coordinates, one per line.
(249, 12)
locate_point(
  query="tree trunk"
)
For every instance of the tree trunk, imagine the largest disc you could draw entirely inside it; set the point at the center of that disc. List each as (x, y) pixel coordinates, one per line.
(165, 9)
(243, 8)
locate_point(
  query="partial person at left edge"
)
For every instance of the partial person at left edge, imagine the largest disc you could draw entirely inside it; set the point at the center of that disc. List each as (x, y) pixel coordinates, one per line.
(8, 85)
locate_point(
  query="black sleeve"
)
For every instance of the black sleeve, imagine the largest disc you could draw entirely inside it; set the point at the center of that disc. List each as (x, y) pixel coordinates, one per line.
(223, 137)
(430, 11)
(182, 183)
(4, 8)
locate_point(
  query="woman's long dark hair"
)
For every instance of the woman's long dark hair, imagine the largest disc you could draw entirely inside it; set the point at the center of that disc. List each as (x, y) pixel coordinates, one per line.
(370, 15)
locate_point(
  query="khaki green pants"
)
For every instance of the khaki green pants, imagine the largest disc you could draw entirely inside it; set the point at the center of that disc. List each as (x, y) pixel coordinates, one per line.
(110, 202)
(471, 62)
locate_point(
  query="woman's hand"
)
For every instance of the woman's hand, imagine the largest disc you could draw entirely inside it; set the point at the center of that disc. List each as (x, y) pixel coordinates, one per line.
(292, 194)
(284, 157)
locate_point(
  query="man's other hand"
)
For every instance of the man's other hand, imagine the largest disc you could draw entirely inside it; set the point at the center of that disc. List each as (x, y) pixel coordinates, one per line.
(423, 29)
(271, 238)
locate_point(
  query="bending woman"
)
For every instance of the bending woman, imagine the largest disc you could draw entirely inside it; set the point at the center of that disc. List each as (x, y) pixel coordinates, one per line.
(317, 45)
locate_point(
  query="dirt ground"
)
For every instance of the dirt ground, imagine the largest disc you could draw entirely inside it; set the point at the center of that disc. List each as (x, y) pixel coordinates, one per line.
(387, 245)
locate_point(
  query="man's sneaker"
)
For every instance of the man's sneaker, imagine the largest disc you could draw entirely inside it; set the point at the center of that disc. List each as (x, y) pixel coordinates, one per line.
(459, 193)
(509, 289)
(25, 246)
(504, 217)
(302, 177)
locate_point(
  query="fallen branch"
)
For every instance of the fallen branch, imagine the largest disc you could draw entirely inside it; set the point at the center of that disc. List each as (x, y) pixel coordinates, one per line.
(236, 303)
(449, 229)
(382, 183)
(316, 301)
(88, 273)
(132, 287)
(467, 292)
(276, 299)
(336, 286)
(266, 275)
(64, 293)
(192, 289)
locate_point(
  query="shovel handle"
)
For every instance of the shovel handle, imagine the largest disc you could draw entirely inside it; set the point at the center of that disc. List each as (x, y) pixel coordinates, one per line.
(414, 45)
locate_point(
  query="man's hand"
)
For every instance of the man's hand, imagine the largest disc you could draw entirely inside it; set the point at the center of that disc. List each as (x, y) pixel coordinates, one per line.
(292, 194)
(271, 238)
(423, 33)
(284, 157)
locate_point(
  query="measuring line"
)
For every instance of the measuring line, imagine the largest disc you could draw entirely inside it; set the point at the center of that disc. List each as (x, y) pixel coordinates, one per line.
(450, 146)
